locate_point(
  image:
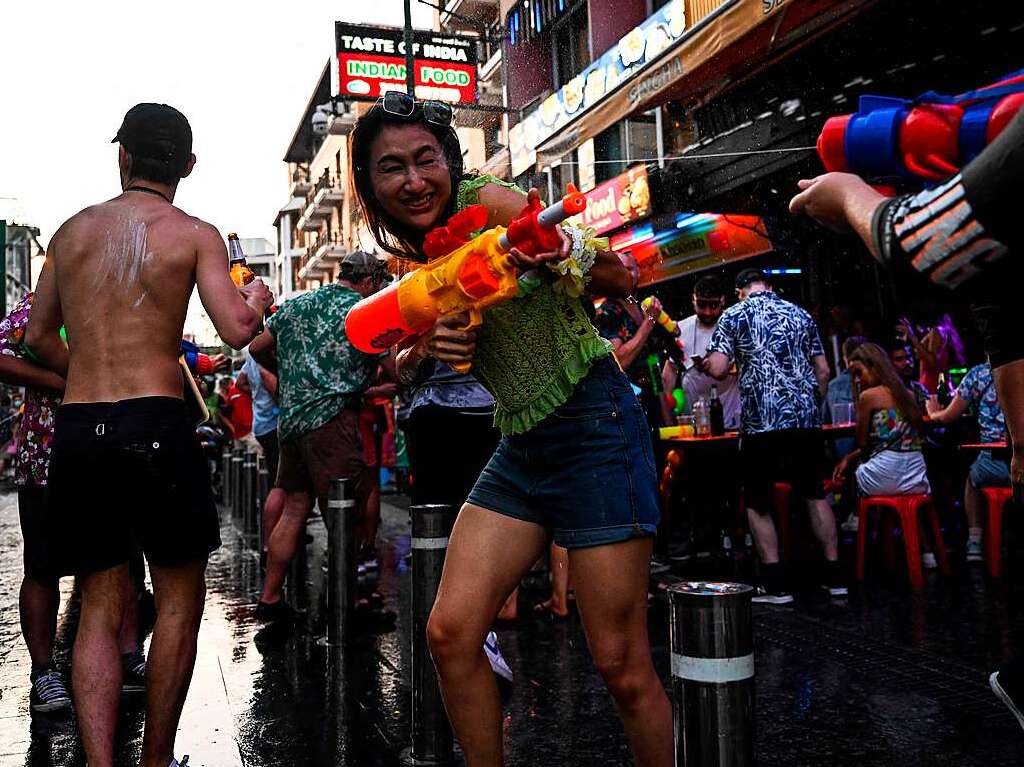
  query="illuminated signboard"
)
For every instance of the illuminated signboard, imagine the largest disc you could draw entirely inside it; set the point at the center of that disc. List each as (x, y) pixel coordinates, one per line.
(371, 61)
(618, 201)
(691, 242)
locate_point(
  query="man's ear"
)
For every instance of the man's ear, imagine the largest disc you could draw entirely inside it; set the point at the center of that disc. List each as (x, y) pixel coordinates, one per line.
(189, 165)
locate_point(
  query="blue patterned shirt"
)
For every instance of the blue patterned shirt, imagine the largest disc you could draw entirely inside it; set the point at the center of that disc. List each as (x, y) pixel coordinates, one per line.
(979, 390)
(773, 343)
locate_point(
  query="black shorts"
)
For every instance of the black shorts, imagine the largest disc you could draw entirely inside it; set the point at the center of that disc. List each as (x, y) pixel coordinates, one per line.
(38, 556)
(271, 453)
(794, 456)
(126, 474)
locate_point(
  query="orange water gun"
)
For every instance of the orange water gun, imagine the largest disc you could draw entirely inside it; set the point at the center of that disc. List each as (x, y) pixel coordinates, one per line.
(463, 275)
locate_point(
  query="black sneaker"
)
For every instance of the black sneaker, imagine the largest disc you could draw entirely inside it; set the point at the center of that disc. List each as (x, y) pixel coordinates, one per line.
(1004, 688)
(275, 612)
(133, 673)
(772, 596)
(49, 693)
(832, 580)
(773, 589)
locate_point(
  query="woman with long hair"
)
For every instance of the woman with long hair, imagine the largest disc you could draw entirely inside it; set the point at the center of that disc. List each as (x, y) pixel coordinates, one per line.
(890, 425)
(574, 461)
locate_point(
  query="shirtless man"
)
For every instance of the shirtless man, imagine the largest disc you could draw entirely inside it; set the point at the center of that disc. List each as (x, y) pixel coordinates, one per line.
(126, 464)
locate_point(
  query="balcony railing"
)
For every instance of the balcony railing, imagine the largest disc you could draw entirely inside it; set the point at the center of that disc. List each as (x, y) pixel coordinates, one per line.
(326, 193)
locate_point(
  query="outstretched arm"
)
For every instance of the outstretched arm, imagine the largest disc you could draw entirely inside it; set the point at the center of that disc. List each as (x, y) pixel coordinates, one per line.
(236, 313)
(45, 319)
(607, 277)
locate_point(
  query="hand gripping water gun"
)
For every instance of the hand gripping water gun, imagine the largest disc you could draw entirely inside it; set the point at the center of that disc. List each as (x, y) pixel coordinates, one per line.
(675, 349)
(464, 275)
(929, 138)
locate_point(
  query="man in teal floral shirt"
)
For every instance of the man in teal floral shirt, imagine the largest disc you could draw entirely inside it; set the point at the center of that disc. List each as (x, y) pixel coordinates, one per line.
(321, 380)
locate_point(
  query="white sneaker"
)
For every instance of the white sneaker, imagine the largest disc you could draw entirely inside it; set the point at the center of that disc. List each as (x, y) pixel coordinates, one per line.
(496, 659)
(974, 553)
(928, 561)
(851, 524)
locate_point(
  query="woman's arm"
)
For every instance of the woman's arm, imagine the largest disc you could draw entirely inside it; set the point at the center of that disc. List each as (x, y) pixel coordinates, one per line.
(942, 416)
(607, 277)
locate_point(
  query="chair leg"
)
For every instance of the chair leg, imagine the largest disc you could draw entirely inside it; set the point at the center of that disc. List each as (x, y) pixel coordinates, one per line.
(994, 535)
(912, 543)
(862, 537)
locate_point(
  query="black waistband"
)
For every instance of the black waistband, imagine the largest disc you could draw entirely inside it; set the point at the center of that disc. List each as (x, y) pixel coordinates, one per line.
(125, 408)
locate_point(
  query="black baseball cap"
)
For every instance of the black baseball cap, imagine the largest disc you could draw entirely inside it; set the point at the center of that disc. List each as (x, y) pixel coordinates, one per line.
(748, 276)
(156, 132)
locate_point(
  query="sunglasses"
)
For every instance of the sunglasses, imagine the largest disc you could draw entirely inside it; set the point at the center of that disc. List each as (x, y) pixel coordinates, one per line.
(401, 104)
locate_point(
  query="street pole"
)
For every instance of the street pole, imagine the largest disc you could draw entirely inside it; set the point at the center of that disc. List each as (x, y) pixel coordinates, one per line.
(712, 641)
(410, 65)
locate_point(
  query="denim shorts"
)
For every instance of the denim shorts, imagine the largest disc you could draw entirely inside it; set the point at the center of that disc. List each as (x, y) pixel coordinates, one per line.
(585, 473)
(989, 471)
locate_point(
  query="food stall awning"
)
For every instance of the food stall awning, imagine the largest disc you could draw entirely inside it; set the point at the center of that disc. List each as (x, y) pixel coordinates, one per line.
(666, 59)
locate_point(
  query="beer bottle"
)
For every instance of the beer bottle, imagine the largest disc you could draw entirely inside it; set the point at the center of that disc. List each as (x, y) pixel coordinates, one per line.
(241, 274)
(715, 413)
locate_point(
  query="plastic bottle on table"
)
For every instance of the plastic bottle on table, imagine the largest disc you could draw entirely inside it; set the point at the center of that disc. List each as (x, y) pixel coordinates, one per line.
(702, 418)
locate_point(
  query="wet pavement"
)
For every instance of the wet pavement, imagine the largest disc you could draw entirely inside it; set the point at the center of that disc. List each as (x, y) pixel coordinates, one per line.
(884, 678)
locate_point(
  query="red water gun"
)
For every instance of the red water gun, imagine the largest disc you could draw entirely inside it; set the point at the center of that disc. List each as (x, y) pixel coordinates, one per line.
(927, 139)
(464, 275)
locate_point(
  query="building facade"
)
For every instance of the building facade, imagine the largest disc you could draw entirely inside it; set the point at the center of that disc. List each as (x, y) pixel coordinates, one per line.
(23, 260)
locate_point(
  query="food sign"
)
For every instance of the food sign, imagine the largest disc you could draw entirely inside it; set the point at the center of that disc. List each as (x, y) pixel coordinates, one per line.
(618, 201)
(371, 61)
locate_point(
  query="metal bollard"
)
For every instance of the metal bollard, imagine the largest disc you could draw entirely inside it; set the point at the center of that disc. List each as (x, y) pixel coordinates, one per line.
(339, 517)
(262, 491)
(712, 642)
(248, 492)
(431, 732)
(237, 459)
(225, 487)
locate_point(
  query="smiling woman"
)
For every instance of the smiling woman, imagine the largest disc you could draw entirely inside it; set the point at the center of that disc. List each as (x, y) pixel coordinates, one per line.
(574, 460)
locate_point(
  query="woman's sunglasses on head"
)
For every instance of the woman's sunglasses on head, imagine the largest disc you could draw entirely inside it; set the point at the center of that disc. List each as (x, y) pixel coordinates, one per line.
(401, 104)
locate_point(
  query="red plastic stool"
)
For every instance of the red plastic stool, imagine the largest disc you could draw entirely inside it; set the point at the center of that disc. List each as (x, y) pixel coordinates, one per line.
(906, 508)
(996, 499)
(782, 492)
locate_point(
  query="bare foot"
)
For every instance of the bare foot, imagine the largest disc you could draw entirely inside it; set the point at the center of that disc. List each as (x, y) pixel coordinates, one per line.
(558, 610)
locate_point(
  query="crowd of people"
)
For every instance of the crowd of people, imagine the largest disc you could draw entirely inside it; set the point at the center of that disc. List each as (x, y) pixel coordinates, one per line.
(549, 444)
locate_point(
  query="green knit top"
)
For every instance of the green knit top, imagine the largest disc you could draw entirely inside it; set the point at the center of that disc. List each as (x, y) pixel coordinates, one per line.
(532, 351)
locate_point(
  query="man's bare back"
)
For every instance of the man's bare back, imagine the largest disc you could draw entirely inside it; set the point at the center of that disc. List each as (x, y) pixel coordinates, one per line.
(123, 272)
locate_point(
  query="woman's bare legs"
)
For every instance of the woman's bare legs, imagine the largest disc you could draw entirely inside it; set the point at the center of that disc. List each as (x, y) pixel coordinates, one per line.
(487, 555)
(558, 604)
(611, 595)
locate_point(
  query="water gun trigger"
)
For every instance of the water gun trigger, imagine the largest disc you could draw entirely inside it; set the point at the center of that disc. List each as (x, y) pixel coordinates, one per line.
(476, 319)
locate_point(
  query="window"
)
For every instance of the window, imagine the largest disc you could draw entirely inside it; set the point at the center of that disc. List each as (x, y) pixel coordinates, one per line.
(570, 45)
(608, 155)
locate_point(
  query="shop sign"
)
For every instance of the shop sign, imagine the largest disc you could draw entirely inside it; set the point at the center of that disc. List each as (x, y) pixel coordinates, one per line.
(691, 243)
(633, 53)
(618, 201)
(371, 61)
